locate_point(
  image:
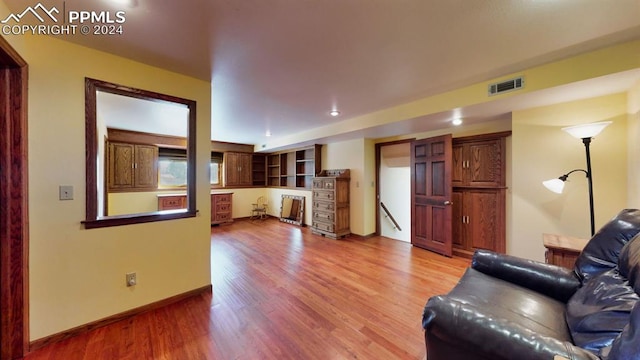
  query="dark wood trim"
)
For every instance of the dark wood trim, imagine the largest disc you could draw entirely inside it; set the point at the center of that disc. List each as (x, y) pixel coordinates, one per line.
(92, 220)
(14, 237)
(378, 160)
(138, 137)
(482, 137)
(37, 344)
(222, 146)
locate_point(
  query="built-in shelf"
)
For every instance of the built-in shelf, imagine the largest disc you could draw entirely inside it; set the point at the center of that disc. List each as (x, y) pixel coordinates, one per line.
(293, 169)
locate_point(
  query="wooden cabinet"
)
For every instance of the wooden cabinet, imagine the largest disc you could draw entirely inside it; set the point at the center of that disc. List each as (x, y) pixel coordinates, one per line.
(330, 203)
(478, 220)
(294, 169)
(221, 208)
(237, 169)
(132, 167)
(562, 250)
(172, 202)
(478, 163)
(479, 191)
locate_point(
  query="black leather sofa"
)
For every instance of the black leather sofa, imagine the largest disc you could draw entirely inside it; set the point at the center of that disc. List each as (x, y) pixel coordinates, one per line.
(508, 308)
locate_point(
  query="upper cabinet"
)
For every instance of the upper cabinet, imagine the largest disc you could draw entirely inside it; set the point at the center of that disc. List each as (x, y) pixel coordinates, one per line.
(237, 169)
(478, 162)
(132, 167)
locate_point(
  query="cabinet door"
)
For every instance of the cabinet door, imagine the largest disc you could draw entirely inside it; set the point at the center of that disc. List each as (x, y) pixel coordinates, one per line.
(146, 166)
(484, 163)
(457, 220)
(237, 169)
(244, 169)
(457, 165)
(120, 162)
(485, 219)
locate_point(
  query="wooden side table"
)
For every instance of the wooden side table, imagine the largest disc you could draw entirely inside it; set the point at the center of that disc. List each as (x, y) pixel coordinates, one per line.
(562, 250)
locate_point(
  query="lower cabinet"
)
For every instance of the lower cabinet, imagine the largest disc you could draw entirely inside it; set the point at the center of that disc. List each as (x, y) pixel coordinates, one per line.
(221, 208)
(478, 220)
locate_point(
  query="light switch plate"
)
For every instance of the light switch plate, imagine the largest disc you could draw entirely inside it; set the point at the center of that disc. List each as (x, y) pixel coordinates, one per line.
(66, 192)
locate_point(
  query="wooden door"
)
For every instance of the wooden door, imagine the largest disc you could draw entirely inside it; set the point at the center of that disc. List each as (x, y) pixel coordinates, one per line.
(431, 189)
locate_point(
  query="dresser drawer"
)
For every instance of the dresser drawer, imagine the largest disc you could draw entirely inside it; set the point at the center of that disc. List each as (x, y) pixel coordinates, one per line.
(223, 216)
(323, 206)
(223, 208)
(323, 216)
(171, 202)
(323, 226)
(222, 198)
(329, 184)
(323, 195)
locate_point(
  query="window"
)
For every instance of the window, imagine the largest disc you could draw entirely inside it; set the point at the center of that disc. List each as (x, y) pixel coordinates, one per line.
(215, 169)
(172, 168)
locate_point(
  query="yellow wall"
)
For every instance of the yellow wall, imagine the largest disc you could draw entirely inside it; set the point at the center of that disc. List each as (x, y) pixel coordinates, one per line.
(542, 151)
(77, 276)
(351, 155)
(633, 137)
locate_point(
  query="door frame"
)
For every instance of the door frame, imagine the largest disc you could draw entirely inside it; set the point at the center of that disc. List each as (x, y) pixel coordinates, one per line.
(378, 160)
(14, 237)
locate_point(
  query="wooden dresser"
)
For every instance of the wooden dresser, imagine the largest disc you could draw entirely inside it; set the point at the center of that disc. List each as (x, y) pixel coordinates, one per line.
(330, 203)
(562, 250)
(221, 208)
(221, 205)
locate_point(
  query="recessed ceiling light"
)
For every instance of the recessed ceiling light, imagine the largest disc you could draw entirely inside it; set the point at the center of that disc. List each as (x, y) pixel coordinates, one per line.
(268, 133)
(334, 113)
(457, 121)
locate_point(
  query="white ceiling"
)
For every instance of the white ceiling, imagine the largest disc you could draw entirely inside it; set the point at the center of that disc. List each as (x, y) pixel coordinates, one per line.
(282, 65)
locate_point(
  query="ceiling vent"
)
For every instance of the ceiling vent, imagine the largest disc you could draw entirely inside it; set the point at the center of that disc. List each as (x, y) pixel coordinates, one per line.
(505, 86)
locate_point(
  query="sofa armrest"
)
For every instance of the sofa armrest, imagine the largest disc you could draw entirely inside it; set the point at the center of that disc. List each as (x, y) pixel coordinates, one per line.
(467, 327)
(551, 280)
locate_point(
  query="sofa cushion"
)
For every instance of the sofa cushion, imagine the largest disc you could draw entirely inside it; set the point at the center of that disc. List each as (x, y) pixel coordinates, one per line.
(598, 312)
(602, 251)
(500, 299)
(626, 346)
(629, 262)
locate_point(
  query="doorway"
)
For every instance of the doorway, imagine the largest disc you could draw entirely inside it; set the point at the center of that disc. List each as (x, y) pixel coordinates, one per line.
(13, 204)
(394, 190)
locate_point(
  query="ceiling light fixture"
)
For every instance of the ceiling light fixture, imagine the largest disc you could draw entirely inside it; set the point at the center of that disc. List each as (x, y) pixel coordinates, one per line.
(457, 121)
(268, 133)
(334, 113)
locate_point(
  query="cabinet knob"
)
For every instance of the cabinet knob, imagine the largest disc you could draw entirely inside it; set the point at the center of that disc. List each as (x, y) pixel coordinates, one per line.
(448, 202)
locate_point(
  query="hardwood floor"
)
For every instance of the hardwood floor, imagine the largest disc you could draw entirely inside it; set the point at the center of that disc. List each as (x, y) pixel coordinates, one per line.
(280, 292)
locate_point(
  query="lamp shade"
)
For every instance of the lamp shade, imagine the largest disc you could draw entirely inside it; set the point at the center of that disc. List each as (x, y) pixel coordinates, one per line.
(556, 185)
(586, 130)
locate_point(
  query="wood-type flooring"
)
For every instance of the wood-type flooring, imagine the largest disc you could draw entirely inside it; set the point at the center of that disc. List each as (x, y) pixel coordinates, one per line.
(280, 292)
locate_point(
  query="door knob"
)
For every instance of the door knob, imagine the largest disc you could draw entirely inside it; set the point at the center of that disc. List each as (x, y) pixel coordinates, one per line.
(448, 202)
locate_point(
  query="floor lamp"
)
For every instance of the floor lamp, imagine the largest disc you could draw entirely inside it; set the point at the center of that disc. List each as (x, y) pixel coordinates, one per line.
(585, 132)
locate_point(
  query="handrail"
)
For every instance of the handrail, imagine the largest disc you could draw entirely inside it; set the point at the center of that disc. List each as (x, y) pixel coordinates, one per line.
(389, 216)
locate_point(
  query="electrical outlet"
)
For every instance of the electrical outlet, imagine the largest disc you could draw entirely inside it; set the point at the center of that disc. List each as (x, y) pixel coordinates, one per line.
(131, 279)
(65, 192)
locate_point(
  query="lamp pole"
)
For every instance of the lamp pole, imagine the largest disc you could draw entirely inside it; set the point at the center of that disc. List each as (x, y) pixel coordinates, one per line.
(587, 141)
